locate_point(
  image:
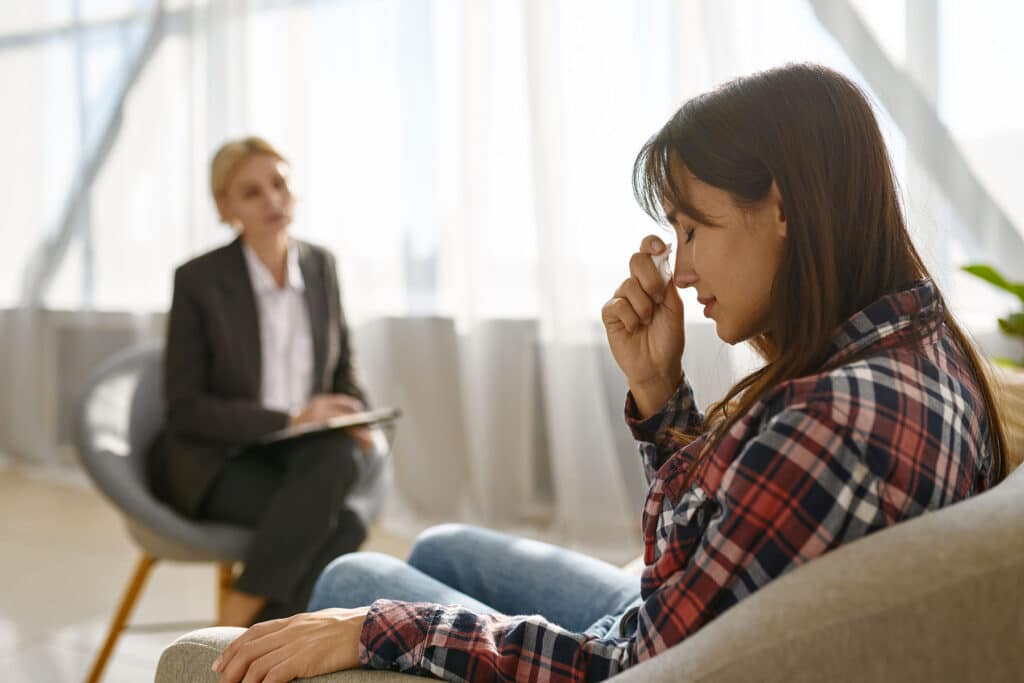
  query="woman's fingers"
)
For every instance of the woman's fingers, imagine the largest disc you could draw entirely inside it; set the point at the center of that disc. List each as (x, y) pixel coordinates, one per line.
(303, 645)
(363, 437)
(639, 299)
(250, 634)
(346, 404)
(643, 267)
(326, 406)
(619, 312)
(258, 641)
(652, 244)
(276, 660)
(644, 271)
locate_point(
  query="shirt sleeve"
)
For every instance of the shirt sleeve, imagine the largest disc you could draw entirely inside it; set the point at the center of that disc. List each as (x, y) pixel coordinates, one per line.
(796, 490)
(455, 644)
(654, 437)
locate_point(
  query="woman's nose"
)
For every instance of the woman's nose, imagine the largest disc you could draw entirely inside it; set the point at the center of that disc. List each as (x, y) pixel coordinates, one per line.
(684, 281)
(276, 198)
(683, 276)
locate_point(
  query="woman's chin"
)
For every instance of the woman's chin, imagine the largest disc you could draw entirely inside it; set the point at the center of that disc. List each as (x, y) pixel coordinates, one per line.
(726, 334)
(269, 229)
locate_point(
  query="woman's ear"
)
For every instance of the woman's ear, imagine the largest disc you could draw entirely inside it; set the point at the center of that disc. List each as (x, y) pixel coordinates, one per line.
(222, 210)
(778, 209)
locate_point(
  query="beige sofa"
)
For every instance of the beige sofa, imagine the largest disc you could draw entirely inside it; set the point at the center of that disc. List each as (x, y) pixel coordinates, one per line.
(939, 598)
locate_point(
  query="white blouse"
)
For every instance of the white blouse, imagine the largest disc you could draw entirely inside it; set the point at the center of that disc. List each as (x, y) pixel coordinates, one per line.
(286, 335)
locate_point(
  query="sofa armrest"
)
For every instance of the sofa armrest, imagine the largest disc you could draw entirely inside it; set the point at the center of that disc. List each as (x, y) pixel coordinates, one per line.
(190, 657)
(936, 599)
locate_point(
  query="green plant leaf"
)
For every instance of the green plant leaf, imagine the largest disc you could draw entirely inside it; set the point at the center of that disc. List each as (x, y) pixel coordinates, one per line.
(1013, 324)
(992, 276)
(1007, 362)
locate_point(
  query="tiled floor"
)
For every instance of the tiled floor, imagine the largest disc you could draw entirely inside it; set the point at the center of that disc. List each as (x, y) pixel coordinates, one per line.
(65, 560)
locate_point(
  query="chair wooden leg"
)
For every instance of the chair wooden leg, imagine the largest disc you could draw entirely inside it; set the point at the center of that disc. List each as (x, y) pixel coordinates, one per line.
(225, 580)
(124, 610)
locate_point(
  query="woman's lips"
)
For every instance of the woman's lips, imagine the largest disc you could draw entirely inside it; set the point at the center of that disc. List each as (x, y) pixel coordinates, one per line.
(708, 305)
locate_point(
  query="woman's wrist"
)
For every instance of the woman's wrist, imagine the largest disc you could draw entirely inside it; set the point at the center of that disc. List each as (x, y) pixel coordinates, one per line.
(652, 395)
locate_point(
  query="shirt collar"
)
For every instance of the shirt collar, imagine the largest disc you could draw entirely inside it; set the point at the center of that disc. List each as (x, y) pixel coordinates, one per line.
(884, 319)
(263, 281)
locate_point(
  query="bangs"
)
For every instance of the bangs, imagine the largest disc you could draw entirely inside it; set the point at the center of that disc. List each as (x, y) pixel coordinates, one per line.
(655, 184)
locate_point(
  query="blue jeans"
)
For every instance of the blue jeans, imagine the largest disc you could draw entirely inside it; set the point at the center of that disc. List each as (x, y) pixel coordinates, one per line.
(490, 573)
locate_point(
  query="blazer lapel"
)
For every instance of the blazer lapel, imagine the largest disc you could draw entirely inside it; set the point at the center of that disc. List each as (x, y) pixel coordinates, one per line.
(316, 300)
(242, 317)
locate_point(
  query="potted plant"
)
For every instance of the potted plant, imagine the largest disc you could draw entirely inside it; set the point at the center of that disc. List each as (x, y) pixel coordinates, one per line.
(1013, 324)
(1008, 373)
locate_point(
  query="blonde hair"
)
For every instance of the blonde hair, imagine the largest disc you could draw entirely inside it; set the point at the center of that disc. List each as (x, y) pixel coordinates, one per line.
(230, 155)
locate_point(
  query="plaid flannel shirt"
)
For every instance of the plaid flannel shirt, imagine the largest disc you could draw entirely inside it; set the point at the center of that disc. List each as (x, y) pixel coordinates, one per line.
(818, 462)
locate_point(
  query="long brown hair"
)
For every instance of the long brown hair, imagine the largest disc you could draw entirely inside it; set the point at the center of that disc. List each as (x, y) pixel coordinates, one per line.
(811, 131)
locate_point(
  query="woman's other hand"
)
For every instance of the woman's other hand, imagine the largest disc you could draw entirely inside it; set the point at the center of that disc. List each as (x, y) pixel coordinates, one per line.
(323, 407)
(363, 436)
(297, 647)
(644, 324)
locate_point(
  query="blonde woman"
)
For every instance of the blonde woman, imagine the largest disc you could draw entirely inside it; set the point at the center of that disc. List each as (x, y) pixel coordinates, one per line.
(257, 341)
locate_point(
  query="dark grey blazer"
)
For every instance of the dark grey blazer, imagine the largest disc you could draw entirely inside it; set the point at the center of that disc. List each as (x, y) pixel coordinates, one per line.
(212, 366)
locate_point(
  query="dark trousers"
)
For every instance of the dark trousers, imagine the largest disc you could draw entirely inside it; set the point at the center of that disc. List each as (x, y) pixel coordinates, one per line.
(293, 495)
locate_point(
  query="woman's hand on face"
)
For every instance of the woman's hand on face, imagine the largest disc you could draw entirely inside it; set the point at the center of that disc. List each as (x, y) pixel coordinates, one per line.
(323, 407)
(297, 647)
(644, 324)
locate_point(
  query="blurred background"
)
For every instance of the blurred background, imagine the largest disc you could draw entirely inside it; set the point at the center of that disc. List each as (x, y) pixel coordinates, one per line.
(468, 162)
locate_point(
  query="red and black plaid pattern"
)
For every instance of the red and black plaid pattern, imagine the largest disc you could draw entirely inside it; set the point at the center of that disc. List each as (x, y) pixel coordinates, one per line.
(820, 461)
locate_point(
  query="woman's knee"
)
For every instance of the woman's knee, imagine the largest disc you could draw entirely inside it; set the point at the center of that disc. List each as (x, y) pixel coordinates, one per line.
(352, 580)
(444, 545)
(322, 467)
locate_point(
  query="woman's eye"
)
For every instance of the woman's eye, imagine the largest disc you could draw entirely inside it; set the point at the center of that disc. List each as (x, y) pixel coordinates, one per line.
(689, 235)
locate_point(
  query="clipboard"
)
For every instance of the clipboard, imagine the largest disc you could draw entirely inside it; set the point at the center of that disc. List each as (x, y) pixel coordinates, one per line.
(366, 418)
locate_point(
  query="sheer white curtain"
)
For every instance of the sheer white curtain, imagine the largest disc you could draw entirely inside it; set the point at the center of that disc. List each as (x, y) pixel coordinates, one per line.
(555, 113)
(468, 161)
